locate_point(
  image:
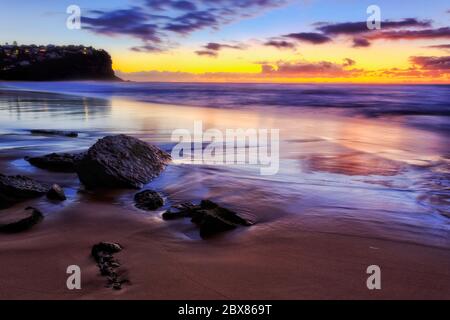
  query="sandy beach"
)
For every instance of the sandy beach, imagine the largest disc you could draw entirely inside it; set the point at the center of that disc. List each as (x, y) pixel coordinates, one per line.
(352, 191)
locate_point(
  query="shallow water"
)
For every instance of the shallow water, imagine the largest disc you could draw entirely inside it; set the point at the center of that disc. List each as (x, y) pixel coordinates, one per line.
(357, 160)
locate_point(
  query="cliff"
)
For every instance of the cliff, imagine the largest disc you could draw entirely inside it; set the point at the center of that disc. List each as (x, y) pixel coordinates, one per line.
(48, 63)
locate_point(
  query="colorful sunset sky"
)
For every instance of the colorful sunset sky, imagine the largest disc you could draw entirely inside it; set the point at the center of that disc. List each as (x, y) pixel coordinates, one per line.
(248, 40)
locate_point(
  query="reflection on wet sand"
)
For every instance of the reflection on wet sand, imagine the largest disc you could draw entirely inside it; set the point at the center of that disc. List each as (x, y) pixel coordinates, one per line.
(354, 164)
(313, 149)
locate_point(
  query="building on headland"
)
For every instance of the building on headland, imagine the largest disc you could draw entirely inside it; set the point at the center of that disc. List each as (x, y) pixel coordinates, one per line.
(44, 62)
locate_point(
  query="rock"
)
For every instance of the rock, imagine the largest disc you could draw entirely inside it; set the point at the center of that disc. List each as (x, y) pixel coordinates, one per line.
(70, 134)
(182, 210)
(105, 248)
(18, 188)
(121, 161)
(209, 216)
(213, 219)
(148, 200)
(56, 193)
(107, 264)
(64, 162)
(19, 220)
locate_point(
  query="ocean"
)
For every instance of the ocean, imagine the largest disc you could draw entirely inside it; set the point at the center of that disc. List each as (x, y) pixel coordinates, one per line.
(353, 159)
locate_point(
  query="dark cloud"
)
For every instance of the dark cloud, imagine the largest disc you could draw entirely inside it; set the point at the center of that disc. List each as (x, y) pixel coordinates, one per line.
(165, 4)
(208, 53)
(311, 37)
(123, 22)
(173, 16)
(361, 27)
(219, 46)
(280, 44)
(193, 21)
(412, 34)
(432, 63)
(146, 48)
(348, 62)
(440, 46)
(360, 43)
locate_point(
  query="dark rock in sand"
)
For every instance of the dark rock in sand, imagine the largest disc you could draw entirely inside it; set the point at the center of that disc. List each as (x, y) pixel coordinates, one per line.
(209, 216)
(183, 210)
(45, 132)
(121, 161)
(19, 220)
(148, 200)
(64, 162)
(105, 248)
(56, 193)
(18, 188)
(213, 219)
(108, 265)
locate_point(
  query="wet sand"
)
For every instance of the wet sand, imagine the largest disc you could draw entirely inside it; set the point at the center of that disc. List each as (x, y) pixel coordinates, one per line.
(350, 193)
(258, 264)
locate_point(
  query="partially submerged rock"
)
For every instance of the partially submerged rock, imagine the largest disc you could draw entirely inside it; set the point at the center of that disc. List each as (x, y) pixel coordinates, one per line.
(178, 211)
(56, 193)
(209, 216)
(121, 161)
(148, 200)
(19, 220)
(14, 189)
(46, 132)
(64, 162)
(108, 265)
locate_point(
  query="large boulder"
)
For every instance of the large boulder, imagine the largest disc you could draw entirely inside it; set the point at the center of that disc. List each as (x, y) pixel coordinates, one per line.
(18, 188)
(121, 161)
(19, 220)
(64, 162)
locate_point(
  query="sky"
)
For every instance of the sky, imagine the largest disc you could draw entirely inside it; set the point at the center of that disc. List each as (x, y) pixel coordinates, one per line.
(248, 40)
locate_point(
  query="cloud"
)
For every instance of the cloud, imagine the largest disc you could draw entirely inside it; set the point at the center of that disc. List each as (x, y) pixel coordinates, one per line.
(208, 53)
(350, 28)
(440, 46)
(445, 47)
(360, 43)
(219, 46)
(311, 37)
(193, 21)
(432, 63)
(181, 17)
(280, 44)
(412, 34)
(212, 49)
(165, 4)
(132, 22)
(348, 62)
(146, 48)
(405, 29)
(308, 69)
